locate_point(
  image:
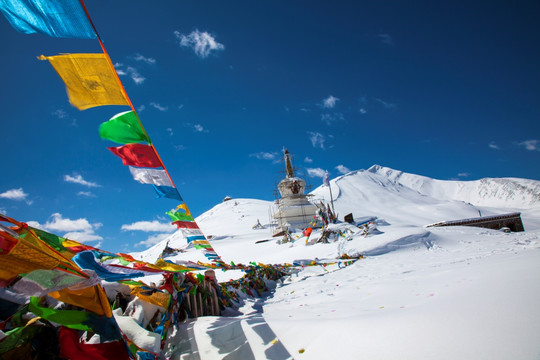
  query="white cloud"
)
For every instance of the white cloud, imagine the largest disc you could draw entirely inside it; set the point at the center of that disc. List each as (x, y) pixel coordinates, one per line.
(79, 229)
(386, 105)
(386, 39)
(330, 102)
(119, 70)
(308, 160)
(141, 108)
(83, 237)
(317, 139)
(135, 75)
(14, 194)
(316, 172)
(60, 113)
(202, 43)
(58, 223)
(463, 174)
(78, 179)
(531, 145)
(343, 169)
(265, 155)
(152, 240)
(3, 211)
(492, 145)
(170, 131)
(149, 61)
(148, 226)
(329, 119)
(86, 194)
(158, 106)
(130, 71)
(34, 224)
(362, 111)
(198, 128)
(179, 147)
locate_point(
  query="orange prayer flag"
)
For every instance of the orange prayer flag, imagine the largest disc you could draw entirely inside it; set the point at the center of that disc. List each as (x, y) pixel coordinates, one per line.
(90, 79)
(92, 298)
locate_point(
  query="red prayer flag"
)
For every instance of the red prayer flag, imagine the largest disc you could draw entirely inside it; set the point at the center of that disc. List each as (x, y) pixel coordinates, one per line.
(72, 348)
(137, 155)
(186, 224)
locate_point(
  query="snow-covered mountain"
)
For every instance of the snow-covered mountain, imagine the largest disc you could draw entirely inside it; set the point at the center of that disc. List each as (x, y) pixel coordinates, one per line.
(495, 192)
(420, 293)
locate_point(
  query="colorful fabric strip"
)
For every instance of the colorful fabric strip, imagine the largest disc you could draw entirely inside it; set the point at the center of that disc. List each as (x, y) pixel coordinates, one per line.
(191, 232)
(123, 128)
(41, 282)
(179, 216)
(186, 224)
(90, 79)
(86, 260)
(59, 18)
(138, 155)
(194, 238)
(150, 176)
(167, 192)
(72, 348)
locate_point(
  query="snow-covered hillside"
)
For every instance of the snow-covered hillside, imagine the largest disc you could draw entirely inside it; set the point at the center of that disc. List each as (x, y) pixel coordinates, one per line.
(420, 293)
(495, 192)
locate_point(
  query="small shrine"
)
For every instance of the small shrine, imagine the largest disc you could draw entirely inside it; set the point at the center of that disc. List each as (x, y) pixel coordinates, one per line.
(294, 208)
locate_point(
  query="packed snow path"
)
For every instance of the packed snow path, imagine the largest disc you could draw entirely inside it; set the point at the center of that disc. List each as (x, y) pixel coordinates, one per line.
(245, 337)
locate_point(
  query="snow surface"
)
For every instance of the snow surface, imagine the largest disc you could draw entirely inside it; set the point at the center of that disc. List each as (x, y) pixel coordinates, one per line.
(419, 293)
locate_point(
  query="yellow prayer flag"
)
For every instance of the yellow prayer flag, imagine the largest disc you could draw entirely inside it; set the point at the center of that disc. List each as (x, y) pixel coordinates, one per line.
(90, 79)
(153, 297)
(167, 266)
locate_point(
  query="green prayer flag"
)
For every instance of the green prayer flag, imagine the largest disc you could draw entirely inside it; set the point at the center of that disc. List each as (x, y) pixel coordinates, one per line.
(70, 318)
(179, 216)
(52, 240)
(202, 246)
(123, 128)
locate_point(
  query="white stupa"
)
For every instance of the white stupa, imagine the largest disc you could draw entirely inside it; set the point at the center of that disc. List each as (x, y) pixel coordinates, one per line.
(294, 208)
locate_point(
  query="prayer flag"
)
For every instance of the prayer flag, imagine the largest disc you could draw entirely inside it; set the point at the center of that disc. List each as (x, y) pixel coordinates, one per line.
(138, 155)
(123, 128)
(58, 18)
(71, 347)
(74, 319)
(90, 79)
(87, 260)
(186, 224)
(167, 192)
(150, 176)
(179, 216)
(195, 237)
(41, 282)
(169, 266)
(92, 298)
(193, 234)
(184, 207)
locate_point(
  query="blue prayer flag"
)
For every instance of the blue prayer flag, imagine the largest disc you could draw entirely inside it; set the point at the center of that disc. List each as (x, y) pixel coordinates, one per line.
(58, 18)
(168, 192)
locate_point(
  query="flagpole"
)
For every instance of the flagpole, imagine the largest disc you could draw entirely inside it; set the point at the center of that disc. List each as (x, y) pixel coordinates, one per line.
(326, 182)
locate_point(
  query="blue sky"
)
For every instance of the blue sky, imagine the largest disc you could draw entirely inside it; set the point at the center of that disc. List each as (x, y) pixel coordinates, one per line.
(445, 90)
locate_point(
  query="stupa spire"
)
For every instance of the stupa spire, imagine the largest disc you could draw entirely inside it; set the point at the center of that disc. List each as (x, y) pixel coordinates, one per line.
(289, 168)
